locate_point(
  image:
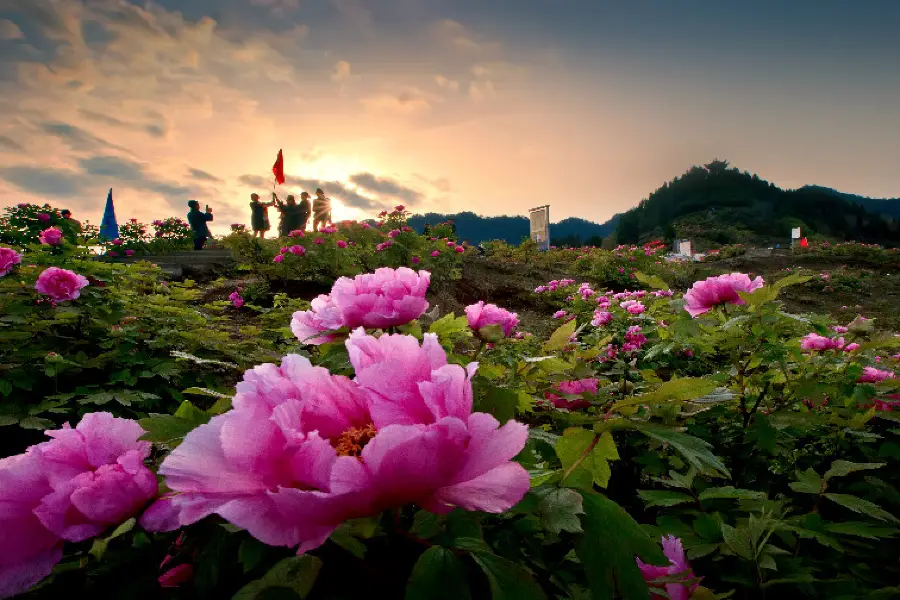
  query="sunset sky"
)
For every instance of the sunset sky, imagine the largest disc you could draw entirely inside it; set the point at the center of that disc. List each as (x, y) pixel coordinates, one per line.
(492, 106)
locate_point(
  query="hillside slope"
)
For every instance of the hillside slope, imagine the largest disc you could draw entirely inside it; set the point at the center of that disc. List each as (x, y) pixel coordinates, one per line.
(715, 204)
(513, 230)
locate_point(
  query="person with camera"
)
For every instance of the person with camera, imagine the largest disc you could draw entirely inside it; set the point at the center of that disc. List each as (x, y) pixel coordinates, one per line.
(198, 222)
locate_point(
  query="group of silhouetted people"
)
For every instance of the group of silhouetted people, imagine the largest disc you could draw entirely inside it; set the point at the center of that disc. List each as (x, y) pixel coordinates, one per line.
(294, 216)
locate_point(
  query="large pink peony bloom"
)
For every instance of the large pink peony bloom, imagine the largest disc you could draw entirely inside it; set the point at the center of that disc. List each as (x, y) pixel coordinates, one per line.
(51, 236)
(481, 315)
(303, 450)
(60, 284)
(29, 550)
(572, 388)
(98, 476)
(873, 375)
(706, 294)
(674, 551)
(9, 258)
(814, 341)
(385, 298)
(323, 316)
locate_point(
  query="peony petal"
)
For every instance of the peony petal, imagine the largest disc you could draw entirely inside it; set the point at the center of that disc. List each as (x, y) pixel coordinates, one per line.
(496, 491)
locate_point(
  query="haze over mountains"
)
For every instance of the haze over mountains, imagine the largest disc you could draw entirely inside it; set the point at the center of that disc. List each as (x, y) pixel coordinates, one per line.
(712, 204)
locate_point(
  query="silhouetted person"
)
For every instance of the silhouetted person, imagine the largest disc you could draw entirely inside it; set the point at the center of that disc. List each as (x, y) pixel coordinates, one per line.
(305, 210)
(290, 215)
(321, 210)
(259, 216)
(198, 222)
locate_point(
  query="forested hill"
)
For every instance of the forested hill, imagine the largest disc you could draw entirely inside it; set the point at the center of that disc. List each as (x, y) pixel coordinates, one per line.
(720, 205)
(477, 229)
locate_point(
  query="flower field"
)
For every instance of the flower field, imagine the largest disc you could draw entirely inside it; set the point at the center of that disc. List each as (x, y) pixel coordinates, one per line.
(658, 431)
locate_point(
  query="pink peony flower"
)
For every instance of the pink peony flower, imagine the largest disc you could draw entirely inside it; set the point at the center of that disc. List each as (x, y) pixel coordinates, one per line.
(51, 236)
(873, 375)
(451, 244)
(415, 260)
(236, 300)
(393, 233)
(706, 294)
(435, 253)
(97, 474)
(572, 388)
(460, 249)
(296, 233)
(852, 348)
(117, 242)
(341, 244)
(888, 403)
(278, 258)
(636, 308)
(43, 217)
(559, 314)
(298, 250)
(481, 315)
(303, 450)
(814, 341)
(29, 550)
(60, 284)
(678, 565)
(385, 298)
(9, 258)
(399, 208)
(601, 318)
(129, 253)
(322, 316)
(175, 576)
(318, 241)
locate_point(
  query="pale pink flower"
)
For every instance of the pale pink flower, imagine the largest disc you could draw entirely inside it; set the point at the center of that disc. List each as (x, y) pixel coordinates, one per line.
(814, 341)
(636, 308)
(385, 298)
(303, 450)
(706, 294)
(323, 316)
(481, 315)
(60, 284)
(9, 258)
(873, 375)
(51, 236)
(559, 314)
(572, 388)
(296, 233)
(601, 318)
(852, 348)
(678, 565)
(839, 329)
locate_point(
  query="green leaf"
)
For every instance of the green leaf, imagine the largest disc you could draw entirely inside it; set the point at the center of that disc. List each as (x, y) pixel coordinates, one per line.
(793, 279)
(763, 295)
(6, 387)
(651, 281)
(808, 482)
(343, 537)
(663, 498)
(491, 333)
(297, 573)
(730, 493)
(198, 391)
(696, 451)
(499, 402)
(559, 508)
(611, 541)
(590, 452)
(674, 390)
(859, 529)
(98, 548)
(560, 338)
(36, 423)
(739, 541)
(8, 420)
(448, 326)
(167, 429)
(840, 468)
(508, 580)
(251, 553)
(438, 575)
(862, 506)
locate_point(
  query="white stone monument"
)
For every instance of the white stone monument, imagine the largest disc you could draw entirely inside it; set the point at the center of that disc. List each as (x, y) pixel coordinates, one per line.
(540, 226)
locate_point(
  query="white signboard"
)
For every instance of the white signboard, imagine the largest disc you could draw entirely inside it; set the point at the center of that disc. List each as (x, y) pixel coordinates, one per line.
(540, 226)
(684, 248)
(795, 233)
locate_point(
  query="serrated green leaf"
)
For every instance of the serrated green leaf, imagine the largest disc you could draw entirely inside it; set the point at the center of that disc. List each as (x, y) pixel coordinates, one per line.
(198, 391)
(98, 548)
(840, 468)
(808, 482)
(738, 541)
(651, 281)
(559, 339)
(859, 529)
(611, 541)
(8, 420)
(448, 326)
(499, 402)
(696, 451)
(676, 390)
(438, 575)
(663, 498)
(36, 423)
(508, 580)
(792, 279)
(297, 573)
(730, 493)
(862, 506)
(585, 457)
(559, 508)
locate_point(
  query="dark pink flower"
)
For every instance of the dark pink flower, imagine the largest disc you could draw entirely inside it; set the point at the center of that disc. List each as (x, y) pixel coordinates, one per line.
(460, 249)
(435, 253)
(706, 294)
(278, 258)
(296, 233)
(318, 241)
(9, 258)
(43, 217)
(393, 233)
(117, 242)
(60, 284)
(415, 260)
(573, 388)
(303, 450)
(482, 315)
(175, 576)
(129, 253)
(814, 341)
(236, 300)
(873, 375)
(298, 250)
(341, 244)
(678, 565)
(51, 236)
(399, 208)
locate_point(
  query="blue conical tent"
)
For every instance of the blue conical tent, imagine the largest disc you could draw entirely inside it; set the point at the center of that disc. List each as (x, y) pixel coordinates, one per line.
(109, 228)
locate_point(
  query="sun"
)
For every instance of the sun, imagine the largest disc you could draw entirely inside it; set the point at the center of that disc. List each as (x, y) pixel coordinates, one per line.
(329, 167)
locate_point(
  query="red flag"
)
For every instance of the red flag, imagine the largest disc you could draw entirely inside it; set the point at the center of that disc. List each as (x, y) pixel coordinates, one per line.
(278, 168)
(804, 243)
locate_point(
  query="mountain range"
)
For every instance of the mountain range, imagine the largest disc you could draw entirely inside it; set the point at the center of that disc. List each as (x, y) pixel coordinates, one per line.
(712, 204)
